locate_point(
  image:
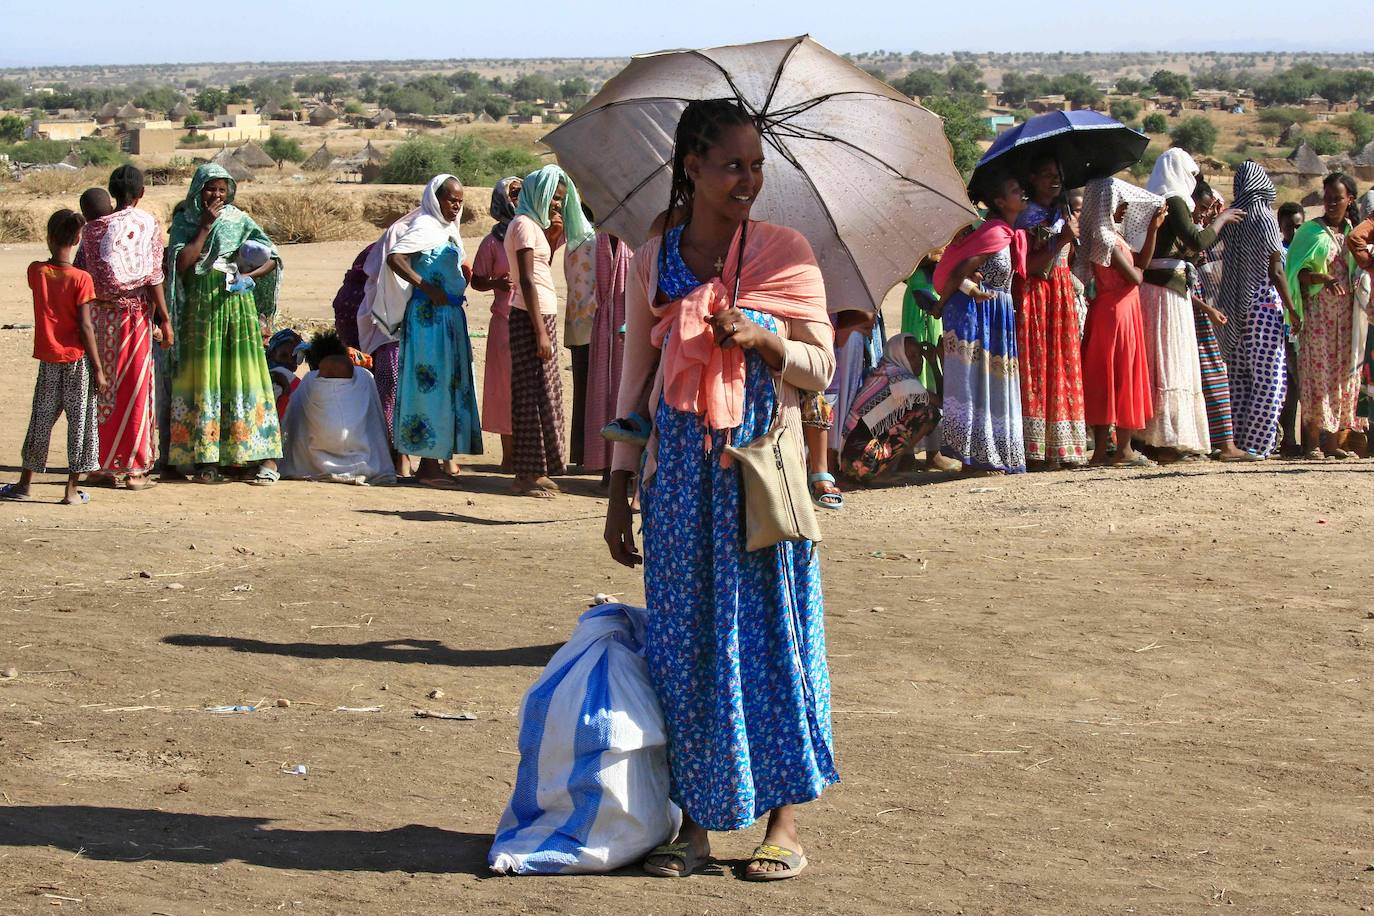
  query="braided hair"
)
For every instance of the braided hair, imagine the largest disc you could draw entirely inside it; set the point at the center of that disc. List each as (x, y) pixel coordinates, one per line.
(698, 129)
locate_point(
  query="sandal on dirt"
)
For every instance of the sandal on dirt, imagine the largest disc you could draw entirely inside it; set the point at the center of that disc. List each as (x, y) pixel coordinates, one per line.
(208, 475)
(532, 490)
(10, 491)
(1341, 454)
(1315, 454)
(141, 482)
(1136, 461)
(82, 497)
(680, 851)
(825, 499)
(265, 477)
(767, 852)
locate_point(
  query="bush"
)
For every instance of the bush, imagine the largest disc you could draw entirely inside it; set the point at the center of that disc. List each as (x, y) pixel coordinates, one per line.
(37, 152)
(293, 217)
(1360, 125)
(283, 148)
(963, 128)
(471, 158)
(1197, 135)
(101, 152)
(1284, 116)
(1155, 123)
(1325, 142)
(1142, 169)
(11, 129)
(18, 224)
(1125, 110)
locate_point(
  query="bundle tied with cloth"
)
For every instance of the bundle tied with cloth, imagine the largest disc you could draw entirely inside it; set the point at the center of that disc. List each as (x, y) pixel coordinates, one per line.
(768, 269)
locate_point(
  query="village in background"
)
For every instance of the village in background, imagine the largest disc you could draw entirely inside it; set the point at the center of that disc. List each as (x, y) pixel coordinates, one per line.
(331, 149)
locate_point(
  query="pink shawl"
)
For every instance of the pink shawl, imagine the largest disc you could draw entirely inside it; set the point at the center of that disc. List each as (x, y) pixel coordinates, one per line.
(123, 254)
(989, 238)
(780, 277)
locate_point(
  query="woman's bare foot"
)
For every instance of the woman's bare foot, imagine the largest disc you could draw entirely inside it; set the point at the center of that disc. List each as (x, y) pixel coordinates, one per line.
(528, 486)
(1229, 452)
(782, 831)
(548, 484)
(941, 463)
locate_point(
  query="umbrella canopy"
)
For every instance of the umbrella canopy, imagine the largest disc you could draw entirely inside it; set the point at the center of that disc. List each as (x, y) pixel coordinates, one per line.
(861, 170)
(1087, 144)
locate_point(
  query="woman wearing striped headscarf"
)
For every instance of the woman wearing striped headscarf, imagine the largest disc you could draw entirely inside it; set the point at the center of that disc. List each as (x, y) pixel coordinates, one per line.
(1253, 287)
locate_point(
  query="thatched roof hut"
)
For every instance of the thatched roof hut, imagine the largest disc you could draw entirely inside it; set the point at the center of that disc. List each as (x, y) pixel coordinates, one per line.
(323, 115)
(1306, 160)
(484, 118)
(107, 113)
(1290, 134)
(383, 119)
(130, 113)
(254, 156)
(179, 111)
(320, 160)
(369, 153)
(228, 159)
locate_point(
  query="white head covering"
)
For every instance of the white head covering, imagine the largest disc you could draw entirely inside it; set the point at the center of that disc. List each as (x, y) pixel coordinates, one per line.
(1175, 175)
(1098, 227)
(422, 229)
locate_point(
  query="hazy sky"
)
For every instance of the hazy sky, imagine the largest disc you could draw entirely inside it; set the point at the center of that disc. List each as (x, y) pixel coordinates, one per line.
(110, 31)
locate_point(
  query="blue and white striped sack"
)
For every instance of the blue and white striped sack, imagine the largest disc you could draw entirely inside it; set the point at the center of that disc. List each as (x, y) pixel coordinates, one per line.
(591, 792)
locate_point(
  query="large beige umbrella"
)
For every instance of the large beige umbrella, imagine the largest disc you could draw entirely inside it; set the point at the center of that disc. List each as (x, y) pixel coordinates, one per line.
(860, 169)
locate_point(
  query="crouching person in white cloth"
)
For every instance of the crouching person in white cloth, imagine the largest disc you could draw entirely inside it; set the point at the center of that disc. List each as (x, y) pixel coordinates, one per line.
(334, 428)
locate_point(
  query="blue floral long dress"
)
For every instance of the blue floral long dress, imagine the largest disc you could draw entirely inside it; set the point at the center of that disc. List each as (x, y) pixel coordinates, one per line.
(736, 642)
(982, 405)
(436, 397)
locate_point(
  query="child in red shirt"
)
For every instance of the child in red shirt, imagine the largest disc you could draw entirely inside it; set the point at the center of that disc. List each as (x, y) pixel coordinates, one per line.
(69, 370)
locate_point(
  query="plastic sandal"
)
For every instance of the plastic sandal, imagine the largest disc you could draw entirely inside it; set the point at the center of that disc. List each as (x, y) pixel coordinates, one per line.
(209, 475)
(265, 477)
(680, 851)
(633, 430)
(767, 852)
(10, 491)
(824, 500)
(82, 497)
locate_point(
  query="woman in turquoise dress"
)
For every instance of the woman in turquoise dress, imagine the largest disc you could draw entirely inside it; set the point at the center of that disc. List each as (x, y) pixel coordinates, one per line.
(436, 399)
(736, 643)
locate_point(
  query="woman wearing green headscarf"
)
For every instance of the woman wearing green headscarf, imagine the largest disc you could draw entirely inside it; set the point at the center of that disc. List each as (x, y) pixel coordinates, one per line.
(226, 276)
(548, 201)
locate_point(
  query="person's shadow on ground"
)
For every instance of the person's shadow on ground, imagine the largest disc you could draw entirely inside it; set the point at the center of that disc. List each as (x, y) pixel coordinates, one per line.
(405, 651)
(136, 834)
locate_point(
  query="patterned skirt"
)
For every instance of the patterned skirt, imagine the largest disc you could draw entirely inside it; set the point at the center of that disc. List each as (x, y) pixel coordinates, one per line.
(736, 641)
(603, 384)
(1180, 410)
(436, 400)
(1258, 377)
(386, 368)
(536, 403)
(1330, 390)
(982, 424)
(1049, 342)
(1216, 385)
(222, 407)
(124, 336)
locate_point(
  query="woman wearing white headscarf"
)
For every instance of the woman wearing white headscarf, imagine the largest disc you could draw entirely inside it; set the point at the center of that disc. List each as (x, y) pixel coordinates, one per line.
(420, 299)
(1117, 229)
(1180, 409)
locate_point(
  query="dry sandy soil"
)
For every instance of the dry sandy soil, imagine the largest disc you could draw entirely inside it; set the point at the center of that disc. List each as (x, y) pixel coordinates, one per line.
(1080, 692)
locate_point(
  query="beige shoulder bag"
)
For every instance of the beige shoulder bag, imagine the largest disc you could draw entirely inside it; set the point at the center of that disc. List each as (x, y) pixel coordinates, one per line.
(773, 475)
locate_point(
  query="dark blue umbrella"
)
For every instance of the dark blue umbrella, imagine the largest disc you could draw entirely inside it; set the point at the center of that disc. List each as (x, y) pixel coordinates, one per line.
(1087, 144)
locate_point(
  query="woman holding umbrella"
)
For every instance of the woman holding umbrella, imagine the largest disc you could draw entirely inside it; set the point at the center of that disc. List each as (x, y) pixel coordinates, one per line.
(736, 642)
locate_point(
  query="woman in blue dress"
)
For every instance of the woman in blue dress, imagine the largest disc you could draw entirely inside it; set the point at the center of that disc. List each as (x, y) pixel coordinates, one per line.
(982, 423)
(736, 641)
(436, 399)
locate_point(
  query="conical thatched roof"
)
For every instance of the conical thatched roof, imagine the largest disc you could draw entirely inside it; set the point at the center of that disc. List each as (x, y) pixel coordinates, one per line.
(485, 118)
(107, 111)
(382, 118)
(74, 159)
(270, 109)
(179, 111)
(129, 112)
(1365, 157)
(1290, 133)
(254, 156)
(320, 160)
(323, 115)
(231, 164)
(370, 153)
(1306, 160)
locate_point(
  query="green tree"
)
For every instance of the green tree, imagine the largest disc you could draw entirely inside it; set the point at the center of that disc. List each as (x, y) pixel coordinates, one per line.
(1018, 88)
(574, 88)
(11, 129)
(1325, 142)
(496, 107)
(1079, 89)
(192, 120)
(1197, 135)
(964, 78)
(211, 100)
(101, 152)
(1360, 125)
(963, 128)
(1167, 82)
(1155, 123)
(283, 148)
(1125, 110)
(1129, 86)
(921, 82)
(533, 86)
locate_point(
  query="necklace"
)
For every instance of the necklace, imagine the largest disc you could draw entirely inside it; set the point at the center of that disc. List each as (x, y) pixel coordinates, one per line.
(718, 263)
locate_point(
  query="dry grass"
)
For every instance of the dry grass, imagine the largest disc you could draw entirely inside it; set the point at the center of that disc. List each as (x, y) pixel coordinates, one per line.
(62, 182)
(385, 207)
(311, 215)
(20, 224)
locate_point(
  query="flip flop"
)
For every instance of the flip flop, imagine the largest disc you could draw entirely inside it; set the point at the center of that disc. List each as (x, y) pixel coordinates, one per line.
(10, 492)
(141, 482)
(443, 482)
(548, 484)
(532, 490)
(824, 500)
(767, 852)
(1315, 454)
(1136, 461)
(82, 497)
(265, 477)
(633, 429)
(680, 851)
(208, 476)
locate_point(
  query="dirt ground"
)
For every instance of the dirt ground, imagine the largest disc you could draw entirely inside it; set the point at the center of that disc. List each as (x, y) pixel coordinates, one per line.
(1086, 692)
